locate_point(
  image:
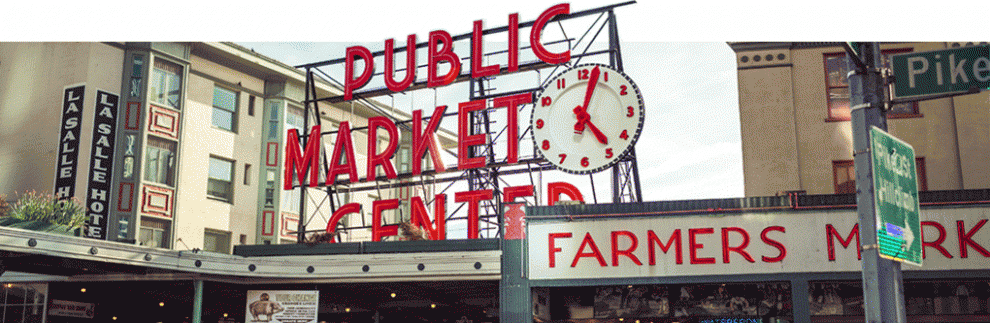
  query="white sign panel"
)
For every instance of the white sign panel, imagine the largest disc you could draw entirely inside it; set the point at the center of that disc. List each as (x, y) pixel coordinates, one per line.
(71, 309)
(764, 243)
(282, 306)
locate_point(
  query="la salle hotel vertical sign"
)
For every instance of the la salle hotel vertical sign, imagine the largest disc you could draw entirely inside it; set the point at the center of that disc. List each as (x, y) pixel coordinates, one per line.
(68, 141)
(101, 165)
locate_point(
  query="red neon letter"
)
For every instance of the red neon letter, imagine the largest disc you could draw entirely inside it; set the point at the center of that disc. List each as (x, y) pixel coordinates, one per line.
(556, 188)
(588, 241)
(350, 83)
(537, 29)
(513, 49)
(776, 244)
(437, 56)
(675, 240)
(418, 216)
(553, 246)
(478, 52)
(465, 140)
(425, 139)
(512, 103)
(474, 199)
(509, 194)
(378, 231)
(830, 233)
(741, 249)
(390, 82)
(966, 239)
(345, 146)
(628, 252)
(339, 214)
(309, 161)
(937, 244)
(694, 246)
(385, 158)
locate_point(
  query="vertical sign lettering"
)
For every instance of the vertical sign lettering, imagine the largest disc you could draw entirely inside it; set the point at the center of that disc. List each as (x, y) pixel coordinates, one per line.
(68, 142)
(98, 196)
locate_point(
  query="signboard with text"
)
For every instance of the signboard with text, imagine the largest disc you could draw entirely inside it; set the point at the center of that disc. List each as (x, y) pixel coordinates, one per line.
(895, 198)
(946, 71)
(282, 306)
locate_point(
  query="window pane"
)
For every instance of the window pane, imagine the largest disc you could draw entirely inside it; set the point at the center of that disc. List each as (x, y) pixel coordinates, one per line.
(835, 66)
(220, 183)
(838, 103)
(224, 99)
(220, 169)
(166, 83)
(158, 161)
(223, 119)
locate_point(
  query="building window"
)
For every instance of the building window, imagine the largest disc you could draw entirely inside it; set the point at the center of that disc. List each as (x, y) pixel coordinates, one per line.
(216, 241)
(220, 184)
(154, 233)
(844, 175)
(247, 174)
(23, 302)
(159, 161)
(224, 109)
(251, 106)
(837, 88)
(166, 83)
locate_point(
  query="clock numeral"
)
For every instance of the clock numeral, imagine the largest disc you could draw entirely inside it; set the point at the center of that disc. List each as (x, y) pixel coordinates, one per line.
(539, 123)
(584, 162)
(606, 76)
(623, 92)
(624, 135)
(561, 83)
(631, 112)
(562, 157)
(583, 74)
(546, 144)
(608, 152)
(546, 101)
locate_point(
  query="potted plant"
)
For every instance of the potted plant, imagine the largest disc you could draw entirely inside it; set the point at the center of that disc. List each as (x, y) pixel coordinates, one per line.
(43, 212)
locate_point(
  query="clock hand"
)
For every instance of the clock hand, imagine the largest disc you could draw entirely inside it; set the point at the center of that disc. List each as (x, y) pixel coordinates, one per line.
(592, 84)
(585, 119)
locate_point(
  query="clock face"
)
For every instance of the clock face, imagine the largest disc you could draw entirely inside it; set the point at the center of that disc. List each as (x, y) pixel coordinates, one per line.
(586, 118)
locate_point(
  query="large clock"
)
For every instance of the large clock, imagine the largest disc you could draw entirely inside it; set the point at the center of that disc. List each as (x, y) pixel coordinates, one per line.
(587, 118)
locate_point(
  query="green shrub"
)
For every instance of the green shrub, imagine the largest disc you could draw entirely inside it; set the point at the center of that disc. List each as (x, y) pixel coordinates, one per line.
(45, 208)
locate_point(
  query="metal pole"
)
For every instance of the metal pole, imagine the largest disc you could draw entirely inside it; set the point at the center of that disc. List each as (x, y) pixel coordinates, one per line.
(883, 292)
(197, 314)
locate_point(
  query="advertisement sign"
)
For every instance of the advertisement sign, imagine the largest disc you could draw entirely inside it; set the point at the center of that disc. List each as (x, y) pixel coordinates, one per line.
(71, 309)
(282, 306)
(101, 167)
(68, 142)
(756, 243)
(895, 192)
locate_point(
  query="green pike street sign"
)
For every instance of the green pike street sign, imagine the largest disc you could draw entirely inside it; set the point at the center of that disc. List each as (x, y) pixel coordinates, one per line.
(895, 198)
(947, 71)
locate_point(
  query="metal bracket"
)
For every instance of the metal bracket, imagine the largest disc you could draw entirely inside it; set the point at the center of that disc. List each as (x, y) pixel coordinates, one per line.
(861, 151)
(861, 106)
(869, 246)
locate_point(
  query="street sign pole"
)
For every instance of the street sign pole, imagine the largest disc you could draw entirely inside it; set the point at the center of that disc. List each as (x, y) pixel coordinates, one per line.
(883, 292)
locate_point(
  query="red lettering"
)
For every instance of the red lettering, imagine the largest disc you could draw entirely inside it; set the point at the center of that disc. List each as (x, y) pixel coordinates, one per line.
(474, 199)
(537, 29)
(339, 214)
(774, 243)
(344, 146)
(589, 242)
(465, 140)
(477, 53)
(309, 161)
(966, 239)
(445, 55)
(350, 83)
(693, 246)
(513, 50)
(628, 252)
(390, 82)
(509, 194)
(418, 216)
(675, 240)
(378, 231)
(937, 244)
(740, 249)
(512, 103)
(831, 233)
(424, 140)
(383, 159)
(553, 246)
(556, 188)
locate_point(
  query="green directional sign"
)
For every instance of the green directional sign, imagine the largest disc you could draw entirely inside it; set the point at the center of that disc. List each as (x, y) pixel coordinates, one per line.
(895, 198)
(947, 71)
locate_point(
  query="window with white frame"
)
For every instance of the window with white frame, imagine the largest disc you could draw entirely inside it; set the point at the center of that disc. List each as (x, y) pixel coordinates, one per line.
(220, 184)
(159, 161)
(166, 84)
(224, 109)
